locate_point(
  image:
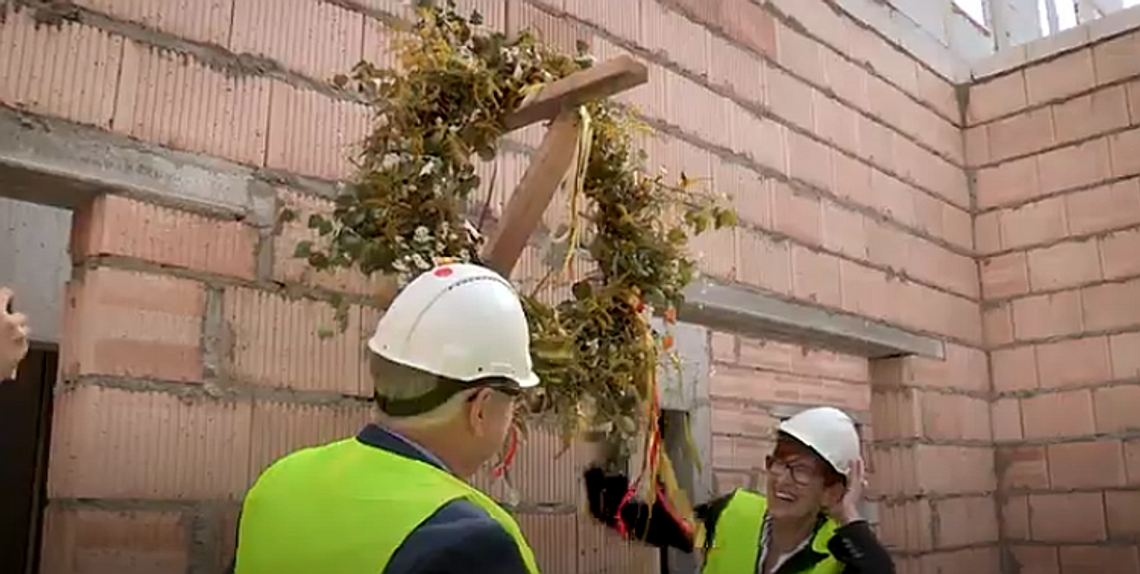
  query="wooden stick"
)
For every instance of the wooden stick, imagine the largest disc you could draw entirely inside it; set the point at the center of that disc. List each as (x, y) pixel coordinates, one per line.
(558, 101)
(525, 208)
(601, 81)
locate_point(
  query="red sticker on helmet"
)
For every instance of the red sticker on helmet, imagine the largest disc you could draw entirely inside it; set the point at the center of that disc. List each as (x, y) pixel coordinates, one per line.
(443, 272)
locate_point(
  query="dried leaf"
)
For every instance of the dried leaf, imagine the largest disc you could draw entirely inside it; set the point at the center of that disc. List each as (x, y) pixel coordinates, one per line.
(407, 208)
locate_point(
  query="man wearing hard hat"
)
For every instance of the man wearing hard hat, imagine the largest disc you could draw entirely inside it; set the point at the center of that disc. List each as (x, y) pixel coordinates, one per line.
(447, 360)
(807, 522)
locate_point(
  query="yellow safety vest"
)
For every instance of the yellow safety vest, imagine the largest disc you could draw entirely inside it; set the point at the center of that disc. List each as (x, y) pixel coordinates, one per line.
(735, 547)
(344, 508)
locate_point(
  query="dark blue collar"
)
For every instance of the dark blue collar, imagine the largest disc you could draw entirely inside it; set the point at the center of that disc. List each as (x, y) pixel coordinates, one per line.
(379, 437)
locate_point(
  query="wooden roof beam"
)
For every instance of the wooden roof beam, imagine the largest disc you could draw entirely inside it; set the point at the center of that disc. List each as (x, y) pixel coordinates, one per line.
(558, 101)
(601, 81)
(539, 183)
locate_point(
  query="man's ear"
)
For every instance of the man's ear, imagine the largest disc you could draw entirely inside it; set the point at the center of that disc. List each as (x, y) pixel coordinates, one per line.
(477, 410)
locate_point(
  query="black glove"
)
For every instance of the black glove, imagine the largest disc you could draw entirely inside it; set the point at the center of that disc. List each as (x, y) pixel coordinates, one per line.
(604, 494)
(657, 527)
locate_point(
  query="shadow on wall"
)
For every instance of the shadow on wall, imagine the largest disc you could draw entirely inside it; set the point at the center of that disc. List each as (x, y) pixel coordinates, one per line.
(34, 262)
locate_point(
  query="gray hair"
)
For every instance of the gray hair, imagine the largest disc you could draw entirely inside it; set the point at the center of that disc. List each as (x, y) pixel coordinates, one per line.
(392, 380)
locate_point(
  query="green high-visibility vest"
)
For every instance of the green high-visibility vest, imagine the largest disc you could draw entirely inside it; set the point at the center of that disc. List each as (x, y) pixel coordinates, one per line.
(344, 508)
(735, 547)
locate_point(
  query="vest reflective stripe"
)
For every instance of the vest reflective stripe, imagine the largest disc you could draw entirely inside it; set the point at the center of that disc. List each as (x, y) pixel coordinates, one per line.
(735, 547)
(344, 508)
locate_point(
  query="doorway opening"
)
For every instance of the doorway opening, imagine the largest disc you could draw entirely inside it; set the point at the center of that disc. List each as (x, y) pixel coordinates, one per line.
(674, 425)
(25, 426)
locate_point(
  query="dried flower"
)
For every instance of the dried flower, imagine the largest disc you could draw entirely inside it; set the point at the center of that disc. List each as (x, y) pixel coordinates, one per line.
(406, 209)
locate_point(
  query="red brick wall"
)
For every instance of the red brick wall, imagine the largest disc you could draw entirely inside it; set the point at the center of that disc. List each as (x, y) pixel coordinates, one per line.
(191, 355)
(1056, 149)
(849, 182)
(846, 162)
(847, 166)
(932, 461)
(188, 372)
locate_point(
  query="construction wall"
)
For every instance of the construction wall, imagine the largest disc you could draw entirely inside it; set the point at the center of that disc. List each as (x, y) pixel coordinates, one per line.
(847, 165)
(848, 182)
(191, 356)
(1055, 143)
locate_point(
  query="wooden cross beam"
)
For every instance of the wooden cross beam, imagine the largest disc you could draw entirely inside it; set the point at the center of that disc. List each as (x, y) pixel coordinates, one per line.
(559, 102)
(601, 81)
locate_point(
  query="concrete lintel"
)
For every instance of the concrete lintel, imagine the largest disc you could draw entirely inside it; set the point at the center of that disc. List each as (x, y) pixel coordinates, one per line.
(58, 163)
(740, 310)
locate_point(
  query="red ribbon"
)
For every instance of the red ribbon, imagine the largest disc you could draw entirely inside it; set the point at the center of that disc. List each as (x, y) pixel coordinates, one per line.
(509, 456)
(654, 445)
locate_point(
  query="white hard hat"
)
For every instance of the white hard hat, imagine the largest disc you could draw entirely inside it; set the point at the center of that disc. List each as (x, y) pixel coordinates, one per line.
(829, 432)
(459, 321)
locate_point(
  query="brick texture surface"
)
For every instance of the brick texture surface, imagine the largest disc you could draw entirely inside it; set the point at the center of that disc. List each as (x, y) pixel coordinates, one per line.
(297, 344)
(1036, 558)
(1055, 180)
(907, 526)
(114, 225)
(105, 542)
(278, 428)
(312, 134)
(271, 29)
(600, 550)
(1014, 369)
(1014, 240)
(208, 22)
(983, 560)
(932, 458)
(105, 442)
(68, 71)
(1112, 59)
(966, 521)
(1093, 558)
(545, 472)
(997, 97)
(133, 324)
(172, 100)
(1073, 518)
(288, 268)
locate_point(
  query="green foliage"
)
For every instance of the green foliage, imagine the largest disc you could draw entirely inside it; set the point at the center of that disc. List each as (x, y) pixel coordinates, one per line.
(405, 211)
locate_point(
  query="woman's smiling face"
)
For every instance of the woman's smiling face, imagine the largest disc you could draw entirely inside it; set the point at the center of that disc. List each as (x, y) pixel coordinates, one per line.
(799, 482)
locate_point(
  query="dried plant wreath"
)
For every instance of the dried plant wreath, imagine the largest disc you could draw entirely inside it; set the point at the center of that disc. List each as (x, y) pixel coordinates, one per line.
(406, 210)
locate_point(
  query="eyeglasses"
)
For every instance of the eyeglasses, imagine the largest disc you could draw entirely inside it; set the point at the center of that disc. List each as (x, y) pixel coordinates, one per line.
(508, 388)
(800, 474)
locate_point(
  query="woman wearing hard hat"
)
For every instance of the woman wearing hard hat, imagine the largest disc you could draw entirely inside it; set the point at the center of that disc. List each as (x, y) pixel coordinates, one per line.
(807, 522)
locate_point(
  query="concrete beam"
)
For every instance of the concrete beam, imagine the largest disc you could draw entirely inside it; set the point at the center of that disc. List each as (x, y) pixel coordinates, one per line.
(58, 163)
(740, 310)
(684, 386)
